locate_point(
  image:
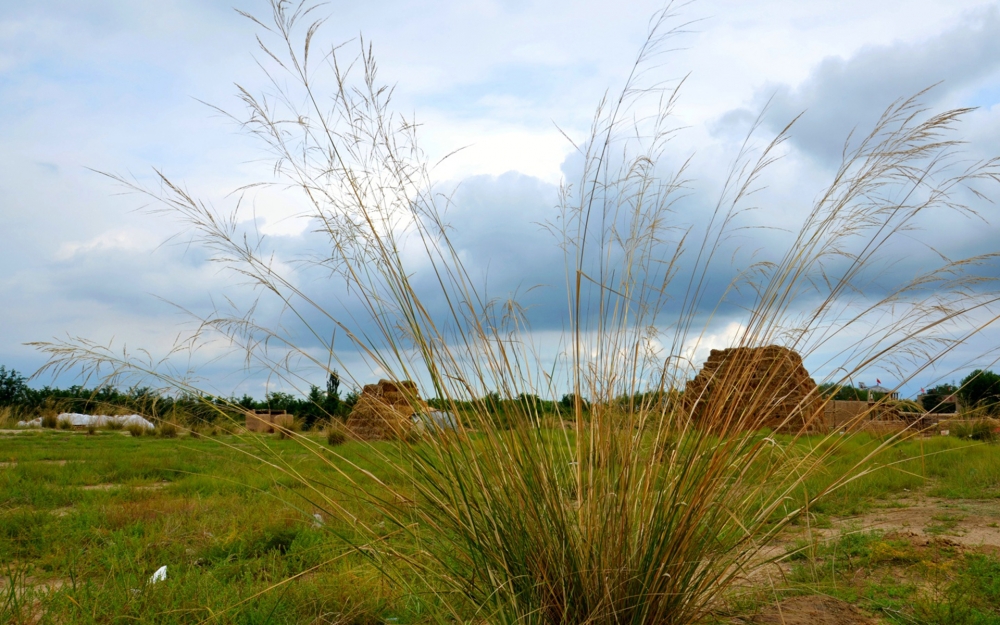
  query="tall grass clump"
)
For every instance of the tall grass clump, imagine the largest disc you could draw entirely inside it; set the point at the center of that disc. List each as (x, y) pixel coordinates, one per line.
(335, 435)
(166, 429)
(8, 416)
(653, 503)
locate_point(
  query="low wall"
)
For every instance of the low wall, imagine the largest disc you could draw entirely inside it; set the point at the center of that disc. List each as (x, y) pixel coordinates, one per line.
(265, 421)
(840, 415)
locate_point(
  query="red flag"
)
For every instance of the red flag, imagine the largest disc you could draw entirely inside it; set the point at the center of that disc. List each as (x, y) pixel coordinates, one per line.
(922, 391)
(878, 381)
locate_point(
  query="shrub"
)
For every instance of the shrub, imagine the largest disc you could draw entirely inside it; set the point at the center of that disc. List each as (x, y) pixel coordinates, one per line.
(981, 389)
(335, 436)
(934, 399)
(977, 429)
(166, 429)
(13, 387)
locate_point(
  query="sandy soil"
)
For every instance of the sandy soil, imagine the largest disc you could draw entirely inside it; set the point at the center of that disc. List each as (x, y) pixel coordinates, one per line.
(60, 463)
(925, 522)
(154, 486)
(965, 522)
(812, 610)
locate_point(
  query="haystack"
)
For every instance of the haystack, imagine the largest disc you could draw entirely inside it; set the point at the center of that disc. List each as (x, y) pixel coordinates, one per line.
(385, 410)
(747, 388)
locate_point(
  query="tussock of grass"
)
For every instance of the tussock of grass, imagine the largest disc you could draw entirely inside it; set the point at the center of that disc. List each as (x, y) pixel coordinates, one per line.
(8, 416)
(985, 430)
(166, 429)
(335, 436)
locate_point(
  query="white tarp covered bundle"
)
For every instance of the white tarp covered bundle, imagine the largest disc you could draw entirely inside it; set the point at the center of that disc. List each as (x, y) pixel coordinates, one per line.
(97, 420)
(435, 420)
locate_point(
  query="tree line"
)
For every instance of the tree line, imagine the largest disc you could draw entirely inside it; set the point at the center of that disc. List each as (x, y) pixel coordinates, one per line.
(979, 389)
(318, 406)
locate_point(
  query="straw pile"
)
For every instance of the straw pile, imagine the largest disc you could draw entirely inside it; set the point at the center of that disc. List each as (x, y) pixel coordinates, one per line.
(747, 388)
(384, 411)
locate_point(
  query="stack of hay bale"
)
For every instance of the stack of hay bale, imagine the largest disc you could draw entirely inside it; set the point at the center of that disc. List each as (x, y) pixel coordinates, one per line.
(747, 388)
(385, 410)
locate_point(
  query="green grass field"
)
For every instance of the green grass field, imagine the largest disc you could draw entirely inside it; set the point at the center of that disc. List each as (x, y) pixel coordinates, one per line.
(85, 520)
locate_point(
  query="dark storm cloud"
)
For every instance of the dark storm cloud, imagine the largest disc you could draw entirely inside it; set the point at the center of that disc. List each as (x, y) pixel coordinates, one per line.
(844, 95)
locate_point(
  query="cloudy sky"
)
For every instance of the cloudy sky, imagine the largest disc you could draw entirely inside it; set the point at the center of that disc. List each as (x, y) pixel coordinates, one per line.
(120, 86)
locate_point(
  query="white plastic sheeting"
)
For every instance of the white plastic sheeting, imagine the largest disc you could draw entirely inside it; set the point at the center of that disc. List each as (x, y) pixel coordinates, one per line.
(97, 420)
(435, 420)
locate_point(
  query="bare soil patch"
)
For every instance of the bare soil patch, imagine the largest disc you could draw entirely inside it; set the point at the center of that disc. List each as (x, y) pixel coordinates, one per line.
(60, 463)
(812, 610)
(967, 522)
(154, 486)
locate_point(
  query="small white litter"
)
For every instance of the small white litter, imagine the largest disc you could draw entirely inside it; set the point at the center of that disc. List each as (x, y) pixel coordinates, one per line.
(318, 522)
(159, 576)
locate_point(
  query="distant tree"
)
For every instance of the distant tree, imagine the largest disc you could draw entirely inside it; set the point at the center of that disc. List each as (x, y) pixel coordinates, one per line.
(312, 410)
(528, 399)
(569, 400)
(936, 399)
(247, 402)
(282, 401)
(350, 400)
(13, 387)
(332, 400)
(981, 388)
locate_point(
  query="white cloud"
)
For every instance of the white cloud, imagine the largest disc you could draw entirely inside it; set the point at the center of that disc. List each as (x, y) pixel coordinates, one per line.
(113, 240)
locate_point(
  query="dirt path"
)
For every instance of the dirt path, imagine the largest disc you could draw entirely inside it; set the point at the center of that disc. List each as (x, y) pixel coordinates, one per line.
(812, 610)
(966, 522)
